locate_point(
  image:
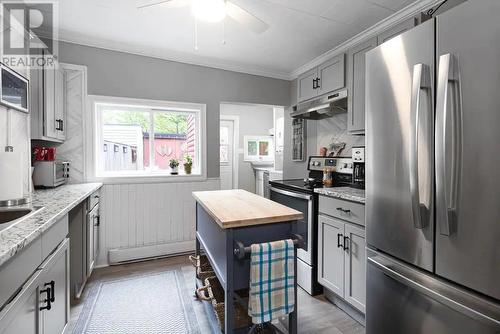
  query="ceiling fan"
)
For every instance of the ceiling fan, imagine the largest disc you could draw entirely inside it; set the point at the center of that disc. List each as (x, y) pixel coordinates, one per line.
(213, 11)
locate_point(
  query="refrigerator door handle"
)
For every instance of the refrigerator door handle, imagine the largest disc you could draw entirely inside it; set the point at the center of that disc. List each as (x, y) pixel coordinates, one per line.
(459, 300)
(421, 81)
(448, 107)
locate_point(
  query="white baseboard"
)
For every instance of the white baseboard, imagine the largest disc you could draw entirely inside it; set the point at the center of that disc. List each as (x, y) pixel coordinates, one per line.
(119, 255)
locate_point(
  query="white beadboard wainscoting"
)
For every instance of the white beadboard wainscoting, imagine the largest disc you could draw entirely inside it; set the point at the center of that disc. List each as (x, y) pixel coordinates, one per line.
(148, 220)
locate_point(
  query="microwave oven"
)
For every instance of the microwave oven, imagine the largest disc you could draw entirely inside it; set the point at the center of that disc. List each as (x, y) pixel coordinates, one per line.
(13, 89)
(50, 174)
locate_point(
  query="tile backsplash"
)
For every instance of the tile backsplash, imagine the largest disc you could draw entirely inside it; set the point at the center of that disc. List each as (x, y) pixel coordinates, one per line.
(334, 129)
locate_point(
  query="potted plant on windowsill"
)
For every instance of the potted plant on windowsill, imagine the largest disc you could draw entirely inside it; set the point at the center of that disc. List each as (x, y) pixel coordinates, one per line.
(188, 163)
(174, 166)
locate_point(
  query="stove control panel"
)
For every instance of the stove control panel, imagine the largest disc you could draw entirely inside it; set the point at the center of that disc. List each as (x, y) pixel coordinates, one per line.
(339, 165)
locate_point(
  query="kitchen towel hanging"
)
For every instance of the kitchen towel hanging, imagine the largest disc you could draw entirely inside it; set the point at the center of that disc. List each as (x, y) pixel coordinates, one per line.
(272, 281)
(11, 176)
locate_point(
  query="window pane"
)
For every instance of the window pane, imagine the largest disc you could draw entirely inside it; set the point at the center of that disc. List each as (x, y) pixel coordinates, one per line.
(224, 154)
(224, 135)
(124, 145)
(174, 138)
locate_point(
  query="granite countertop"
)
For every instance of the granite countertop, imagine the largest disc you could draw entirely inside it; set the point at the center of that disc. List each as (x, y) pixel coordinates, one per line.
(346, 193)
(55, 202)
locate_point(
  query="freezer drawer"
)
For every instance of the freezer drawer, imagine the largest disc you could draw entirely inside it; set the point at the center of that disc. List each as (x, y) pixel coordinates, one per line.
(401, 299)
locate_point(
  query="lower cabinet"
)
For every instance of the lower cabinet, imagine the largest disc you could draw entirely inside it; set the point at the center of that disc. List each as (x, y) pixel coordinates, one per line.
(54, 291)
(42, 304)
(21, 314)
(342, 260)
(355, 266)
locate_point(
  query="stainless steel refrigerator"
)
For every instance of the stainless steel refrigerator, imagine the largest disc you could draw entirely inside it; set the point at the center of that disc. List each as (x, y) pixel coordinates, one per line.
(433, 176)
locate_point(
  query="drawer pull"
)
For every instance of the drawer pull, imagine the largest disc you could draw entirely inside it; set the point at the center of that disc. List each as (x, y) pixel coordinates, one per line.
(347, 211)
(339, 236)
(50, 296)
(346, 243)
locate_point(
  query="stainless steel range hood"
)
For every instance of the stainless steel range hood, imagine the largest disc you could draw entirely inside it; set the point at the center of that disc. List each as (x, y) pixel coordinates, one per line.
(322, 107)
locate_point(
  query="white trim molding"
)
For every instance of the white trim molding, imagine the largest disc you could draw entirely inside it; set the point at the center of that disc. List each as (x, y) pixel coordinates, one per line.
(92, 138)
(236, 145)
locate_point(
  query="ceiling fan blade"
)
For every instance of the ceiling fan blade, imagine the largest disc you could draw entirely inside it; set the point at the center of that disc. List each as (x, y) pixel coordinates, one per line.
(245, 18)
(166, 3)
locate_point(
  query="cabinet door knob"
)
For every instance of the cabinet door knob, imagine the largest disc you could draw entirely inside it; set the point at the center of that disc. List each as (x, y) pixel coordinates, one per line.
(317, 82)
(314, 83)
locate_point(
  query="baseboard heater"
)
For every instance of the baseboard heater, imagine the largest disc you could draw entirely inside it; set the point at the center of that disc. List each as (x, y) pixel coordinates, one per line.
(131, 254)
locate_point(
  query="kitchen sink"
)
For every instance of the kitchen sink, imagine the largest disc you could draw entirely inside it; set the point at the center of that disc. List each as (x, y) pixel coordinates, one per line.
(11, 216)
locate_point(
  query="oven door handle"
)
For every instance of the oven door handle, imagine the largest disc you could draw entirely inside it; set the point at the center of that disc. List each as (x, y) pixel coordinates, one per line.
(291, 194)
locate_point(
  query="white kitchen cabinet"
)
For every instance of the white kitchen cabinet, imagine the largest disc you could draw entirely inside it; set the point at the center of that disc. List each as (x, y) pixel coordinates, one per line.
(47, 104)
(355, 266)
(325, 78)
(342, 260)
(306, 85)
(37, 285)
(55, 271)
(21, 314)
(356, 78)
(331, 254)
(50, 126)
(60, 103)
(331, 75)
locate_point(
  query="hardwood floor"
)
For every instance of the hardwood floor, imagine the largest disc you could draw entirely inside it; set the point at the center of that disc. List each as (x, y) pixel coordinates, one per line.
(316, 314)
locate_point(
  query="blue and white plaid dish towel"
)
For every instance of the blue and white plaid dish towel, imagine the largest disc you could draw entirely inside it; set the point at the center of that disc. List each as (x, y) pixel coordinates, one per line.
(272, 281)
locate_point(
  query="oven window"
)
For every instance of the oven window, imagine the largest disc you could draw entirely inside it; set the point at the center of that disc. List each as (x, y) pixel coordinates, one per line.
(59, 171)
(299, 204)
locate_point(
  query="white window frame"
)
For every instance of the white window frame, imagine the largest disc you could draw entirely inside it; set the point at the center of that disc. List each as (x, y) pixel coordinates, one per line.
(94, 140)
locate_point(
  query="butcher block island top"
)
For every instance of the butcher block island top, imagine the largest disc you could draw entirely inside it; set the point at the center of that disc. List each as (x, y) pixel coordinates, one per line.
(240, 208)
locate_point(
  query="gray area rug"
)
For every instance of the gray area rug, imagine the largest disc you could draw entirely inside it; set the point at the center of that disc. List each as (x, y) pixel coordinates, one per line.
(155, 303)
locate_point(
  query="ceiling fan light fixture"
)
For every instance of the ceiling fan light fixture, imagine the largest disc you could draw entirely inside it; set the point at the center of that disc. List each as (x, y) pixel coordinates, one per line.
(211, 11)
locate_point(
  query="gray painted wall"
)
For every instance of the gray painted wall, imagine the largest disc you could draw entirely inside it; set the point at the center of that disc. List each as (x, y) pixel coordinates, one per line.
(113, 73)
(254, 120)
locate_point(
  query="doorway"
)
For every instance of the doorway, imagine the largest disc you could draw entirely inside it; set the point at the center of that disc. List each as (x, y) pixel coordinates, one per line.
(229, 134)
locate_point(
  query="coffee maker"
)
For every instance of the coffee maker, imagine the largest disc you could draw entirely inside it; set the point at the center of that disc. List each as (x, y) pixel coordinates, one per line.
(358, 159)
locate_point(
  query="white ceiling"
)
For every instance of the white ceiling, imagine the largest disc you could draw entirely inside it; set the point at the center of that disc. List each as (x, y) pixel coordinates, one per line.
(300, 30)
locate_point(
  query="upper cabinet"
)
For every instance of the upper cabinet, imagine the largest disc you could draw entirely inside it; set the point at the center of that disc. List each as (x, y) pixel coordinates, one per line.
(48, 117)
(327, 77)
(356, 74)
(331, 75)
(356, 78)
(306, 85)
